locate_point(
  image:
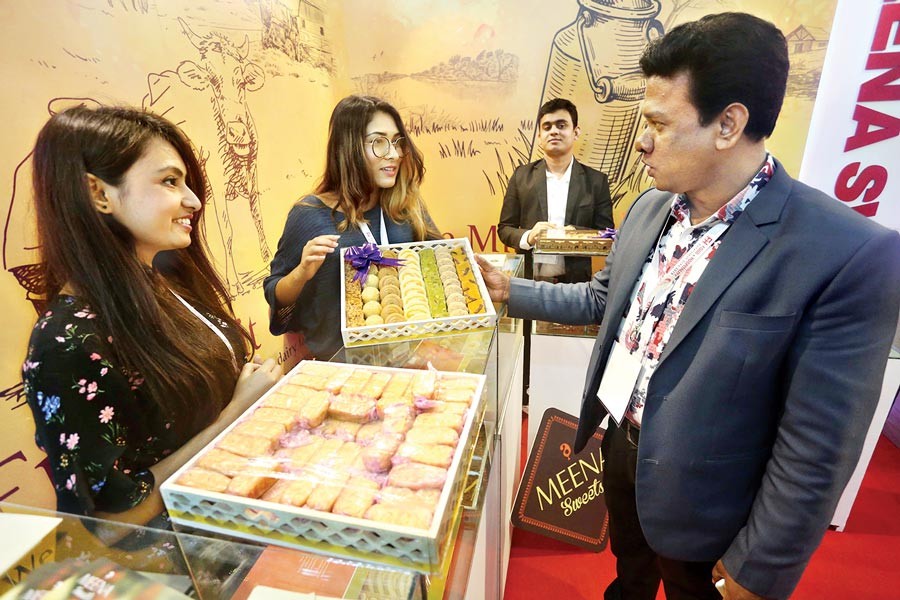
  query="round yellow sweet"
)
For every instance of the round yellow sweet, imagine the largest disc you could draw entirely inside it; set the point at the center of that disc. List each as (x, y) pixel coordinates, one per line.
(369, 294)
(372, 281)
(371, 308)
(374, 320)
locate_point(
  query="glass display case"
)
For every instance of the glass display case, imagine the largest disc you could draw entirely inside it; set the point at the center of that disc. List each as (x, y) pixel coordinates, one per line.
(200, 566)
(592, 258)
(558, 354)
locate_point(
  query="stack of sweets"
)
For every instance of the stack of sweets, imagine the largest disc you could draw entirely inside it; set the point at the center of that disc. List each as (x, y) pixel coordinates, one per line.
(348, 440)
(371, 298)
(453, 293)
(412, 287)
(467, 280)
(434, 287)
(354, 302)
(389, 288)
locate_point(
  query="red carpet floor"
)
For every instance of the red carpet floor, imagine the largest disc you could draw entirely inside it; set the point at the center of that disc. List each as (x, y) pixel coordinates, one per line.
(861, 562)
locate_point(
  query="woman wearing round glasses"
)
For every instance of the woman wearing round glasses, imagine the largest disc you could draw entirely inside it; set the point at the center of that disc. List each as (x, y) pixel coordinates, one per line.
(368, 193)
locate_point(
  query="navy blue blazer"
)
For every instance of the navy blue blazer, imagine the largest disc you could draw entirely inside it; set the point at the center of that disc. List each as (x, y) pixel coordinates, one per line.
(756, 415)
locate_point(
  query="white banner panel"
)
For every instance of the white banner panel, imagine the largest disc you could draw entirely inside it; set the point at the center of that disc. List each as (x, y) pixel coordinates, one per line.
(853, 149)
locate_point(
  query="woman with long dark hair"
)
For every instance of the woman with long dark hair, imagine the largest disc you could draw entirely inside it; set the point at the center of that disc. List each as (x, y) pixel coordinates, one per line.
(369, 193)
(137, 360)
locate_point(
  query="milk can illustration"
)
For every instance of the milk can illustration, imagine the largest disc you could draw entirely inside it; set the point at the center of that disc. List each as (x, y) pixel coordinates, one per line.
(594, 63)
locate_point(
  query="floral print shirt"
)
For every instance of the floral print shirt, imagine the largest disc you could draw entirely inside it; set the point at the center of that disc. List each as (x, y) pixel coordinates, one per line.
(666, 282)
(100, 433)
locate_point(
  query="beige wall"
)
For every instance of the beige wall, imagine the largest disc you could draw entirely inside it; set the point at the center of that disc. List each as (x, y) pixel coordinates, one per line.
(473, 116)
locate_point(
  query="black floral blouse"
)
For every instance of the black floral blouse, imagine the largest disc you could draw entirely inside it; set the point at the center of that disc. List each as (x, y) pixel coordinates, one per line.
(100, 433)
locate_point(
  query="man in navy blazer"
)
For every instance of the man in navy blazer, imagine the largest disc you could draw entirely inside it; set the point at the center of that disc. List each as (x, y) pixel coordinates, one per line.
(555, 190)
(746, 320)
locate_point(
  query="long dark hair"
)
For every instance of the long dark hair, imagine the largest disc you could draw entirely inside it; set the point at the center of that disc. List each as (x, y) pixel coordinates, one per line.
(347, 177)
(186, 369)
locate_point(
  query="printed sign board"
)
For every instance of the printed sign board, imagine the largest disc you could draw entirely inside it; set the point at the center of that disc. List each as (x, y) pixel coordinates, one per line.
(561, 494)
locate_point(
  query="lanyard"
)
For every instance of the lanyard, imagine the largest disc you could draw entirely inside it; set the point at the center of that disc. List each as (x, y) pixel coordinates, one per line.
(212, 327)
(668, 275)
(687, 260)
(364, 227)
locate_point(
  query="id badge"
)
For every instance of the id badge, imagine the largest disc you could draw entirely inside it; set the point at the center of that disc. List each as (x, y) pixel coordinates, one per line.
(619, 378)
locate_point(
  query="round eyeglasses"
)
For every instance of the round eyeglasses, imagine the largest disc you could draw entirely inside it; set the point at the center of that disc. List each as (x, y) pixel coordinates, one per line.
(381, 146)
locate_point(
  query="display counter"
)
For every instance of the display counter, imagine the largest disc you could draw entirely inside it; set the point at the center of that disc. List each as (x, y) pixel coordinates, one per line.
(559, 354)
(473, 563)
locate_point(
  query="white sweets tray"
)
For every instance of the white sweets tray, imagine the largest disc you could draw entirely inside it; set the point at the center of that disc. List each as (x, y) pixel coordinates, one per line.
(392, 332)
(324, 532)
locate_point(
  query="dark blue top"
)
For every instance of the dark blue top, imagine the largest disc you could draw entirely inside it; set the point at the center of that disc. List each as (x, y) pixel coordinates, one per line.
(317, 311)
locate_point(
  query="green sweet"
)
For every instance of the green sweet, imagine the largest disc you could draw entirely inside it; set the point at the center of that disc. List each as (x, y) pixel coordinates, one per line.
(434, 289)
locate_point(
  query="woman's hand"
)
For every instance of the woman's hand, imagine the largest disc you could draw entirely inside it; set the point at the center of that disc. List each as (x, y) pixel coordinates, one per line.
(289, 287)
(314, 253)
(255, 379)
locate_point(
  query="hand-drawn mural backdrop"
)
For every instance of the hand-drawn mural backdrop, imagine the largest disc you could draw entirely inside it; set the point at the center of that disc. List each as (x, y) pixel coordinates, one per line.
(253, 82)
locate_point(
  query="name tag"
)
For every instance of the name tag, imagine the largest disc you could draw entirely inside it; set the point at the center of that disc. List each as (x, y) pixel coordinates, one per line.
(619, 378)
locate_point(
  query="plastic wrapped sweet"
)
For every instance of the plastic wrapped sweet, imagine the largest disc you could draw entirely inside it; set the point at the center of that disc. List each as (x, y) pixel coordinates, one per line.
(204, 479)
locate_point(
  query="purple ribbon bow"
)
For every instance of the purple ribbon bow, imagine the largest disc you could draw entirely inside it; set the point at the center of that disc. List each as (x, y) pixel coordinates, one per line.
(608, 234)
(362, 257)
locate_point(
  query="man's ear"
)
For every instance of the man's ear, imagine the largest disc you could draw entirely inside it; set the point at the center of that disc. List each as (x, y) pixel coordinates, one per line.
(97, 188)
(577, 131)
(731, 123)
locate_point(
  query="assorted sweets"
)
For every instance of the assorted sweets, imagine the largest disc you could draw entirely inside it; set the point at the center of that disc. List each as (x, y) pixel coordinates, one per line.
(431, 283)
(348, 440)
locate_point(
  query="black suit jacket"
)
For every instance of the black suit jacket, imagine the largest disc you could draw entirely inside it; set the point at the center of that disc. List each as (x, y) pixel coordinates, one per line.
(588, 206)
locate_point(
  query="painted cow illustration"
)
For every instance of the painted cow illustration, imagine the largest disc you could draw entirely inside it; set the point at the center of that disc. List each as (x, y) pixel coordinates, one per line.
(225, 75)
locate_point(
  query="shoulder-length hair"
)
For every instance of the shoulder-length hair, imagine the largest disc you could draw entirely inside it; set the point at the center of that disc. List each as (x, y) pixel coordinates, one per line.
(347, 177)
(186, 369)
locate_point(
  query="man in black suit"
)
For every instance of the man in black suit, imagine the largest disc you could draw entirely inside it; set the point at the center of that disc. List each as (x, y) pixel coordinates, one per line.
(555, 191)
